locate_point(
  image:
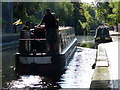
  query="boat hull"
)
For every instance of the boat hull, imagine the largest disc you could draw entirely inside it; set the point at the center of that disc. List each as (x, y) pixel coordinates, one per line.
(36, 64)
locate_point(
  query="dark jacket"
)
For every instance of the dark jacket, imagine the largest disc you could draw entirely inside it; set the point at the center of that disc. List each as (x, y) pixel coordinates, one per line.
(50, 21)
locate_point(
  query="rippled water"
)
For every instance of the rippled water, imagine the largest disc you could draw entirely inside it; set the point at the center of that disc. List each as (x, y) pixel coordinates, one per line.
(77, 75)
(8, 65)
(79, 71)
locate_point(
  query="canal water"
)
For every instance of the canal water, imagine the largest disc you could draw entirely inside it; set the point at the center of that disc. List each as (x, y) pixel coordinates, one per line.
(78, 74)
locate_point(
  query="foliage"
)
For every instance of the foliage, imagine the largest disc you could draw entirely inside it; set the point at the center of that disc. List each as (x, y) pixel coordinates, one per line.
(82, 16)
(78, 17)
(102, 11)
(67, 13)
(114, 17)
(26, 11)
(87, 44)
(91, 22)
(109, 13)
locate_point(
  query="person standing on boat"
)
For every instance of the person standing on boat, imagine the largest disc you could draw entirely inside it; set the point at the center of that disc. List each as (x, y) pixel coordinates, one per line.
(25, 32)
(51, 26)
(25, 45)
(27, 25)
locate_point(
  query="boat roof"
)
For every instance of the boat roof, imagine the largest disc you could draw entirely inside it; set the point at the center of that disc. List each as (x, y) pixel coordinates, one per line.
(65, 28)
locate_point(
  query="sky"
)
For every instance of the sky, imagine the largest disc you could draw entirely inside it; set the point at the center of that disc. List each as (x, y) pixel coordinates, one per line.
(87, 1)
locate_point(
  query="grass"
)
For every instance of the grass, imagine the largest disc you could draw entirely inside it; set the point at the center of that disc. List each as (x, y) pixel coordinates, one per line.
(87, 44)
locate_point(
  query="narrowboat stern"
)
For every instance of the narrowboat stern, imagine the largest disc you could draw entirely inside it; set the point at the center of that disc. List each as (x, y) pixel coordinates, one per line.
(33, 55)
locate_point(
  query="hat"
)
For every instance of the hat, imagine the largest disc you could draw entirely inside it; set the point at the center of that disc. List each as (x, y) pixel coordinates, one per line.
(28, 22)
(48, 10)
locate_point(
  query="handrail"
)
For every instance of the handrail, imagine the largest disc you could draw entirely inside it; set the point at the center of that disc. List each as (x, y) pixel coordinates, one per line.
(32, 39)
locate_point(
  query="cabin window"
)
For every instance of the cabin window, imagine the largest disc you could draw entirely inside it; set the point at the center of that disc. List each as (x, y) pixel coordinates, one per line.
(67, 36)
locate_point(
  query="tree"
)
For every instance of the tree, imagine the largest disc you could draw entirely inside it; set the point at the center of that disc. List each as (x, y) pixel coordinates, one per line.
(103, 9)
(114, 17)
(68, 14)
(91, 22)
(78, 17)
(26, 11)
(108, 12)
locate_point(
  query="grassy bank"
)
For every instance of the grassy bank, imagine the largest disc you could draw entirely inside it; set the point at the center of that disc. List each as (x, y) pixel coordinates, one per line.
(87, 44)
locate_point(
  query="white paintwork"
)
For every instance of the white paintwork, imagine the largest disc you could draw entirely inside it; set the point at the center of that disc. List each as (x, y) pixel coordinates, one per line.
(36, 60)
(66, 49)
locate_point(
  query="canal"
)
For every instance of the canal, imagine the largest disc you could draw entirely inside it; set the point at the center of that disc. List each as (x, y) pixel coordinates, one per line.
(78, 74)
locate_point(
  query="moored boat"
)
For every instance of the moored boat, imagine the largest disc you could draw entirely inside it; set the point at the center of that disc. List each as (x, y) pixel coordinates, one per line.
(33, 56)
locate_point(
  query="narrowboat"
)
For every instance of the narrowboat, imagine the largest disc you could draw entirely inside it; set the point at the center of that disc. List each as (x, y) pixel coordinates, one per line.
(32, 56)
(102, 35)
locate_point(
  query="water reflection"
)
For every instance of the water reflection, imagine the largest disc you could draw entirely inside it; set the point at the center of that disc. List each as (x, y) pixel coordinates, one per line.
(36, 81)
(77, 75)
(31, 81)
(79, 72)
(8, 65)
